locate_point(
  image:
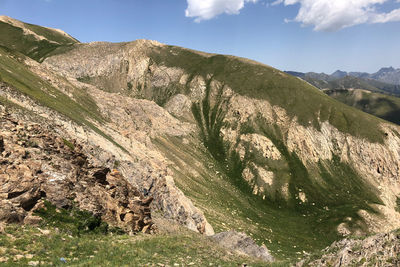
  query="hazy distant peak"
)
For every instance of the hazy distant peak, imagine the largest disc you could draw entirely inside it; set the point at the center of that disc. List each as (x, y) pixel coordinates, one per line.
(339, 74)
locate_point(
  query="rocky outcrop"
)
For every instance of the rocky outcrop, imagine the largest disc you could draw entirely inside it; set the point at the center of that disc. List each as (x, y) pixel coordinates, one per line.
(129, 69)
(242, 244)
(377, 250)
(377, 163)
(36, 164)
(132, 123)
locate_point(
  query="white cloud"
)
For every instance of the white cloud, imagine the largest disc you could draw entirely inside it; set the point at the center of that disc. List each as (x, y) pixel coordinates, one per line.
(323, 15)
(208, 9)
(333, 15)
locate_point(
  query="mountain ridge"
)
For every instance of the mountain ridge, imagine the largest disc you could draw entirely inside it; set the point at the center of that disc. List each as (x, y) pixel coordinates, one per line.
(218, 142)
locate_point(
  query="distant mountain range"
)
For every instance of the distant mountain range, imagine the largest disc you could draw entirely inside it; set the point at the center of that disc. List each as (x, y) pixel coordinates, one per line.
(386, 80)
(386, 75)
(377, 93)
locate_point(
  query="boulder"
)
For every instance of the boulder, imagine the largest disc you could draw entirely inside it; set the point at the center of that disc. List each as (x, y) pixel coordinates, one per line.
(242, 244)
(43, 167)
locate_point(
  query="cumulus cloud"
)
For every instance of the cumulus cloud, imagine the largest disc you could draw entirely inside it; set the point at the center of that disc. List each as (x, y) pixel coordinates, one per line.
(333, 15)
(208, 9)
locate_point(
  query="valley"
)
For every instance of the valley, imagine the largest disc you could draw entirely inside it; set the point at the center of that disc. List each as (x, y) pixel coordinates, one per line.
(219, 143)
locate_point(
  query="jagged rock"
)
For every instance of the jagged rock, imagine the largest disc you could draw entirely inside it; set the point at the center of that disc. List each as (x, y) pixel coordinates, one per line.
(42, 167)
(1, 144)
(242, 244)
(378, 250)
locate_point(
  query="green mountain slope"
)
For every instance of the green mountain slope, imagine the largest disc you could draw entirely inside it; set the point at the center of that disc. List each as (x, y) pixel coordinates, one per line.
(266, 153)
(380, 105)
(80, 109)
(259, 81)
(34, 41)
(348, 81)
(335, 190)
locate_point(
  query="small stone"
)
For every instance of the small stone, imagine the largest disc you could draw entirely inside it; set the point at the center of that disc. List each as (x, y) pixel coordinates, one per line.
(18, 257)
(1, 144)
(45, 232)
(32, 220)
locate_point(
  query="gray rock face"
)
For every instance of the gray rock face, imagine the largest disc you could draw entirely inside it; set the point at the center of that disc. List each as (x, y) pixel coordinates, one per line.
(377, 250)
(128, 70)
(242, 244)
(36, 165)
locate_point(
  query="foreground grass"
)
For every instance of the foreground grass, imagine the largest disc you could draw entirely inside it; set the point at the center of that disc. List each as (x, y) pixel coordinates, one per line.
(22, 245)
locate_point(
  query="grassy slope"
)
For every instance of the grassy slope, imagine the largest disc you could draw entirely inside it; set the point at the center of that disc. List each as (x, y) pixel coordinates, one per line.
(216, 186)
(13, 38)
(82, 111)
(255, 80)
(185, 248)
(79, 239)
(335, 191)
(344, 83)
(380, 105)
(222, 197)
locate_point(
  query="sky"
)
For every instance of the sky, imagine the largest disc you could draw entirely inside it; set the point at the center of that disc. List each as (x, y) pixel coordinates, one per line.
(297, 35)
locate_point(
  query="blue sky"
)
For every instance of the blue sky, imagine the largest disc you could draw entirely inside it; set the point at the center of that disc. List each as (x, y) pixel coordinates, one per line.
(301, 35)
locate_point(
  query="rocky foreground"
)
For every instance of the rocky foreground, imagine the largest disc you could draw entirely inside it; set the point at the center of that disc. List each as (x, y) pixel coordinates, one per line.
(378, 250)
(36, 165)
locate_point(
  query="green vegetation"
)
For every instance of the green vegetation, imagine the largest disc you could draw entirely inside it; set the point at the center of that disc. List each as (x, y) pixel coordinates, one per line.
(69, 144)
(78, 238)
(71, 221)
(398, 204)
(15, 39)
(13, 72)
(380, 105)
(49, 246)
(334, 190)
(350, 82)
(258, 81)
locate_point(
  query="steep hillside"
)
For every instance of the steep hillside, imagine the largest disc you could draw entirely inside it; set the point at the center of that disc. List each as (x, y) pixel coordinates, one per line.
(378, 250)
(380, 105)
(32, 40)
(78, 213)
(277, 141)
(219, 142)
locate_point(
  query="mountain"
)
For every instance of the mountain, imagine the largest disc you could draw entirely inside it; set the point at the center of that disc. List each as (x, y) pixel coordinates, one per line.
(385, 78)
(218, 142)
(32, 40)
(369, 95)
(380, 105)
(387, 75)
(338, 74)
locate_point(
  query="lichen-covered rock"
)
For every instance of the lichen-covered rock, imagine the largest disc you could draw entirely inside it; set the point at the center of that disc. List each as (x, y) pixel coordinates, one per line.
(242, 244)
(378, 250)
(37, 164)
